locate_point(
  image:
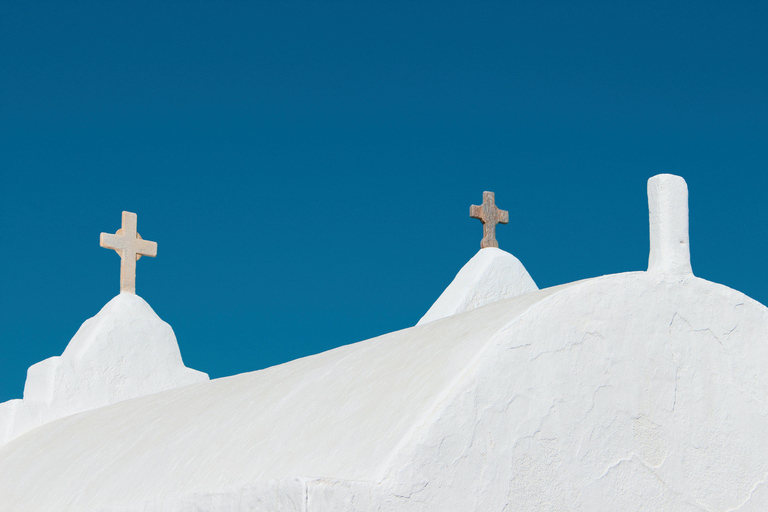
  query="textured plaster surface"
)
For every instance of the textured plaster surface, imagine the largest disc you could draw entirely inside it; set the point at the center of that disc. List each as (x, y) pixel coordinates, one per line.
(668, 219)
(628, 392)
(491, 275)
(636, 391)
(124, 351)
(338, 415)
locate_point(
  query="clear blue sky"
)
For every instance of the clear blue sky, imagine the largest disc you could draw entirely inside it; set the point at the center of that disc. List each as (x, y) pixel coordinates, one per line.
(306, 168)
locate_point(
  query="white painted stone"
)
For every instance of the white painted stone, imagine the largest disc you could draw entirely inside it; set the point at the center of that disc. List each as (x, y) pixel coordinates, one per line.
(491, 275)
(624, 392)
(124, 351)
(668, 215)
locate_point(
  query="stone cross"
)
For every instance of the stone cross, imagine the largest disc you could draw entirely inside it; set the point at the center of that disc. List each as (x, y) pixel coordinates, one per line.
(489, 215)
(129, 245)
(668, 216)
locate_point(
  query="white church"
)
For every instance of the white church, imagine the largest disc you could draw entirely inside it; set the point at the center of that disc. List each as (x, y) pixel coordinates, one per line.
(627, 392)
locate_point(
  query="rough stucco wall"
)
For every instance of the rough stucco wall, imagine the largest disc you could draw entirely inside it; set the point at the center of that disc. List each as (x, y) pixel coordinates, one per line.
(628, 392)
(491, 275)
(339, 414)
(125, 351)
(289, 495)
(267, 496)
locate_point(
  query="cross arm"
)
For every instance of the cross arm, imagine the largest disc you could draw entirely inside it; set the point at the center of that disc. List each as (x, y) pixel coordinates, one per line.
(146, 248)
(110, 241)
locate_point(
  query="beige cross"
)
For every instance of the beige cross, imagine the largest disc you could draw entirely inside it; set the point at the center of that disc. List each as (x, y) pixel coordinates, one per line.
(130, 246)
(489, 215)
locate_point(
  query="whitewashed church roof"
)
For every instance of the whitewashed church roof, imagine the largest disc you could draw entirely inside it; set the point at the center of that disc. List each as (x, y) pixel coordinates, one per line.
(633, 391)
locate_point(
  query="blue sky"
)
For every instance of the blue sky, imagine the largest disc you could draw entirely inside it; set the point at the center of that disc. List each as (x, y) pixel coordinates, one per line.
(306, 168)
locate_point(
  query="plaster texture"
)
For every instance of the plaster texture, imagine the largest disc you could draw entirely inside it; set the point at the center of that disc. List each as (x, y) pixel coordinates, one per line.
(668, 218)
(635, 391)
(491, 275)
(124, 351)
